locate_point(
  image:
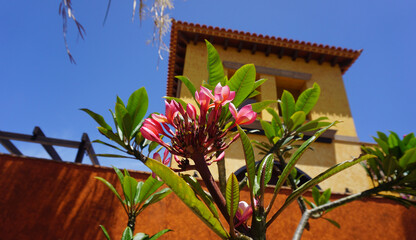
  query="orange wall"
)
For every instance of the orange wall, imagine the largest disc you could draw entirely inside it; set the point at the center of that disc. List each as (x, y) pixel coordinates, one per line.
(44, 199)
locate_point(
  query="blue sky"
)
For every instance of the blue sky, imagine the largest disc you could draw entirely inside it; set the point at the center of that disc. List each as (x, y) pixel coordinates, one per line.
(39, 86)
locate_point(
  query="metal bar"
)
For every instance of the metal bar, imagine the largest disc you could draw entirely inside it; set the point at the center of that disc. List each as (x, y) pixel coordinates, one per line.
(90, 150)
(81, 150)
(10, 147)
(37, 132)
(39, 139)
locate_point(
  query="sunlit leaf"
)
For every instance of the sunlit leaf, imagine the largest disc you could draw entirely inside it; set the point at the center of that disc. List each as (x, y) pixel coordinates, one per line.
(98, 118)
(307, 99)
(105, 232)
(186, 194)
(188, 85)
(127, 234)
(259, 106)
(248, 156)
(130, 188)
(242, 83)
(287, 105)
(201, 193)
(159, 234)
(137, 107)
(215, 68)
(232, 195)
(110, 186)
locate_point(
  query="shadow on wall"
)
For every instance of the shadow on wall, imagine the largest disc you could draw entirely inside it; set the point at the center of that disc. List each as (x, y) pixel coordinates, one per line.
(64, 198)
(320, 155)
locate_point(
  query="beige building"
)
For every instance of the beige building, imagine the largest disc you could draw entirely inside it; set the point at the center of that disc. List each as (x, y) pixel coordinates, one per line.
(287, 64)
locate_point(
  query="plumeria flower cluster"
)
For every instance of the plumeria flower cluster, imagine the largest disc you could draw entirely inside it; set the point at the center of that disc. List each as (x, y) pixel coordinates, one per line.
(191, 133)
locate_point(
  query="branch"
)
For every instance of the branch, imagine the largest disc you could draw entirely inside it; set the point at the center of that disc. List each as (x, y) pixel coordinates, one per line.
(310, 212)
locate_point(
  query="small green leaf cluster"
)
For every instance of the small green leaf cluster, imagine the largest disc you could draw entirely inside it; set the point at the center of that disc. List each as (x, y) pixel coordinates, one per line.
(393, 167)
(128, 120)
(319, 200)
(137, 197)
(285, 130)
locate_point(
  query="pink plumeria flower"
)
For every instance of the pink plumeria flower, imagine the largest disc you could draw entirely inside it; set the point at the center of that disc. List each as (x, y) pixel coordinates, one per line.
(204, 98)
(245, 116)
(165, 161)
(223, 95)
(191, 111)
(243, 213)
(151, 130)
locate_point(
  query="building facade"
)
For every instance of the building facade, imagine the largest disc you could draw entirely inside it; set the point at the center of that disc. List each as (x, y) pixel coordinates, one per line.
(289, 65)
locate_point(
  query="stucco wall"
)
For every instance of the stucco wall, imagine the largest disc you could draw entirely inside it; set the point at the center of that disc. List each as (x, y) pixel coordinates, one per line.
(45, 199)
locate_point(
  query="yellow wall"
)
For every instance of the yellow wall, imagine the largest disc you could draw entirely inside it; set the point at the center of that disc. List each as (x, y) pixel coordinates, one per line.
(333, 103)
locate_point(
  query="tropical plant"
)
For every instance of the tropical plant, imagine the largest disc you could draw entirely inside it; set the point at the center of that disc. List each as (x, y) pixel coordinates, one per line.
(197, 135)
(137, 197)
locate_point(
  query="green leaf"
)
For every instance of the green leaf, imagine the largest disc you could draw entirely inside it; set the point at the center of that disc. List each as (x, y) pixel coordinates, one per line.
(98, 118)
(324, 198)
(112, 155)
(389, 165)
(333, 222)
(259, 106)
(296, 155)
(266, 166)
(123, 120)
(248, 156)
(110, 135)
(202, 194)
(408, 158)
(258, 83)
(138, 190)
(130, 188)
(141, 236)
(242, 83)
(149, 187)
(316, 195)
(156, 197)
(311, 204)
(119, 175)
(384, 145)
(215, 68)
(407, 138)
(108, 145)
(313, 125)
(127, 234)
(275, 116)
(297, 119)
(382, 136)
(159, 234)
(188, 85)
(110, 186)
(186, 194)
(308, 99)
(288, 106)
(119, 101)
(137, 108)
(253, 94)
(105, 232)
(232, 195)
(322, 176)
(268, 130)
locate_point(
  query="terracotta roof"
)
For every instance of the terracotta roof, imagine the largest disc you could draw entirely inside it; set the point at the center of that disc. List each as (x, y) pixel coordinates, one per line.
(183, 33)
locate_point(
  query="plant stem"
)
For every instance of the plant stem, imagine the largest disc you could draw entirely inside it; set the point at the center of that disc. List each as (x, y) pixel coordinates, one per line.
(202, 168)
(222, 176)
(310, 212)
(293, 185)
